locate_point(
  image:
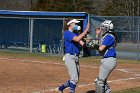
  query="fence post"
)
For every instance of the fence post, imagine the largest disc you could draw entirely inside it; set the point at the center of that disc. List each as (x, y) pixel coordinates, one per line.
(62, 42)
(138, 23)
(31, 34)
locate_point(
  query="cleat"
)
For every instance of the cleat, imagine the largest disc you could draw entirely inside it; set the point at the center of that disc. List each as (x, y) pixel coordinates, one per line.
(57, 90)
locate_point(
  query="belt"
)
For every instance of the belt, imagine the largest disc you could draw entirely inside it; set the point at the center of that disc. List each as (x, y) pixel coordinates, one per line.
(109, 57)
(73, 54)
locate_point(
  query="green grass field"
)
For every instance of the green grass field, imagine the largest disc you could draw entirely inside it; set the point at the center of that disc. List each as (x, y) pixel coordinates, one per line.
(132, 90)
(42, 56)
(46, 57)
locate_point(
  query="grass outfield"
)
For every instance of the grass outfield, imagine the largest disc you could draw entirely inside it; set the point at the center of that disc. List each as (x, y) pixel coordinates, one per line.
(131, 90)
(27, 55)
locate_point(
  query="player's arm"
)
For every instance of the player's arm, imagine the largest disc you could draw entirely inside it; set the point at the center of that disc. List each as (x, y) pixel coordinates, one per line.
(79, 37)
(107, 42)
(102, 47)
(82, 43)
(98, 32)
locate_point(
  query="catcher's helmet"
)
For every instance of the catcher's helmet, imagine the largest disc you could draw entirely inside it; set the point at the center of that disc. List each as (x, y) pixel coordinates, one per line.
(107, 26)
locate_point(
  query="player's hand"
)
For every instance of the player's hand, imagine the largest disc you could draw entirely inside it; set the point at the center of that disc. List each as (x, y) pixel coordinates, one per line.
(98, 31)
(87, 27)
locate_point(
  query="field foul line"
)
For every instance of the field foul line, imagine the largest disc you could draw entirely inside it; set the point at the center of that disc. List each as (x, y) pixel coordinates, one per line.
(33, 61)
(42, 62)
(90, 84)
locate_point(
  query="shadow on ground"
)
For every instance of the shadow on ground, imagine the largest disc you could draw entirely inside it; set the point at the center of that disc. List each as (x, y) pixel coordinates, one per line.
(91, 91)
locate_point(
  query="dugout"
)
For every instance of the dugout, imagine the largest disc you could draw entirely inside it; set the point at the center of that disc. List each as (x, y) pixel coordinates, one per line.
(26, 30)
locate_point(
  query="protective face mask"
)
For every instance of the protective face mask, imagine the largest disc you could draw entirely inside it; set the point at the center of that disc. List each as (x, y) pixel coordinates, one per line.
(76, 27)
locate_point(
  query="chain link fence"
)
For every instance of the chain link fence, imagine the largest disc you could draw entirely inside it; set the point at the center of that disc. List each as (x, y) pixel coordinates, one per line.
(49, 32)
(128, 34)
(15, 34)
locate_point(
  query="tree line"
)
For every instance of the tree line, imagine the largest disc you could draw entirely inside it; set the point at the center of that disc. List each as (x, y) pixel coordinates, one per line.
(95, 7)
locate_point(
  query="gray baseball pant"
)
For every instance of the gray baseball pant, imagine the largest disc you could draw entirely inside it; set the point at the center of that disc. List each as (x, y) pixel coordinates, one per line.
(107, 65)
(72, 63)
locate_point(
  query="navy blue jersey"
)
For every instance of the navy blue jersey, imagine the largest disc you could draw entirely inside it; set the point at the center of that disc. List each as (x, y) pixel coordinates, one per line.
(109, 41)
(71, 46)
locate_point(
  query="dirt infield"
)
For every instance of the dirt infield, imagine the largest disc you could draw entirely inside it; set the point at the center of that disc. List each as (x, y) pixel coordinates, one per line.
(40, 76)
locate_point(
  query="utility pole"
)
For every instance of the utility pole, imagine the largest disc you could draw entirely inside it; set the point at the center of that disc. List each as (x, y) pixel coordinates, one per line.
(31, 4)
(138, 8)
(75, 7)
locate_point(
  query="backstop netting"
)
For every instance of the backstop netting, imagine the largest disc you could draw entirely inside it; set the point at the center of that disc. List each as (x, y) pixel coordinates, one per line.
(128, 34)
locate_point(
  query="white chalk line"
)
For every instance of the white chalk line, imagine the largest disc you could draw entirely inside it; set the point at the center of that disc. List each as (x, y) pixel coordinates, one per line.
(90, 84)
(31, 61)
(55, 63)
(43, 62)
(130, 71)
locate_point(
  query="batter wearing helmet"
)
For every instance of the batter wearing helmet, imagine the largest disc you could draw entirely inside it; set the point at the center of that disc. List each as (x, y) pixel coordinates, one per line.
(107, 50)
(72, 42)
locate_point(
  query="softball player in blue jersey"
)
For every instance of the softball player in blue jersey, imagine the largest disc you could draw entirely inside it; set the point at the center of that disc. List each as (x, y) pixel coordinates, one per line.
(72, 42)
(107, 50)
